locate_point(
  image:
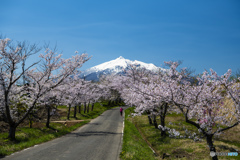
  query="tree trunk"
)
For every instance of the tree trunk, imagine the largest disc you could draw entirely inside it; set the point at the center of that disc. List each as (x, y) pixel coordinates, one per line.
(88, 107)
(85, 107)
(12, 132)
(30, 120)
(150, 119)
(79, 108)
(13, 125)
(48, 116)
(69, 109)
(163, 132)
(208, 136)
(75, 111)
(211, 146)
(155, 121)
(92, 106)
(164, 109)
(110, 103)
(30, 123)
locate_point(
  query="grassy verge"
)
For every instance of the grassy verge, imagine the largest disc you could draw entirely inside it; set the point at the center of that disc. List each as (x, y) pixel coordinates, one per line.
(134, 146)
(180, 148)
(27, 137)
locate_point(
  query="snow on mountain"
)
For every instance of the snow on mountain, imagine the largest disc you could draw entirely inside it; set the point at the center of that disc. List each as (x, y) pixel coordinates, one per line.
(116, 66)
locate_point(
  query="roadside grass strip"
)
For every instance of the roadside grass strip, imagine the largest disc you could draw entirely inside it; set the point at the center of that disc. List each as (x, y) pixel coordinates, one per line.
(137, 129)
(134, 146)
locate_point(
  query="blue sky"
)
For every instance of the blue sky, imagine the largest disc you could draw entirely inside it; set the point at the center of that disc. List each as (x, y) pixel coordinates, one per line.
(203, 34)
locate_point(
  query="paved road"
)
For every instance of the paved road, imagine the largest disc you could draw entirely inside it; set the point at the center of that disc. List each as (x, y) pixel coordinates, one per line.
(98, 140)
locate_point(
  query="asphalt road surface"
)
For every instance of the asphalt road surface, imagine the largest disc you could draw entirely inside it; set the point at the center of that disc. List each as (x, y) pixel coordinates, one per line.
(98, 140)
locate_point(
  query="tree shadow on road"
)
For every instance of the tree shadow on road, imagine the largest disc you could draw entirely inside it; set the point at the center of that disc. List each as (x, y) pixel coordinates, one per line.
(94, 123)
(92, 133)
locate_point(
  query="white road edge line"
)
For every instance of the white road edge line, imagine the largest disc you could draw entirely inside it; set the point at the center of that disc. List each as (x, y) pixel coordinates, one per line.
(152, 149)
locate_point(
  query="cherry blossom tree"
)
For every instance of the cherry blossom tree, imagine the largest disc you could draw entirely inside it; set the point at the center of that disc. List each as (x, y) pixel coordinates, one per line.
(148, 91)
(111, 86)
(203, 103)
(49, 102)
(78, 91)
(51, 72)
(75, 93)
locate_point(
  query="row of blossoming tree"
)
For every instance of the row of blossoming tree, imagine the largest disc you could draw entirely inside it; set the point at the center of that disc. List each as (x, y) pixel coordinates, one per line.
(200, 99)
(50, 81)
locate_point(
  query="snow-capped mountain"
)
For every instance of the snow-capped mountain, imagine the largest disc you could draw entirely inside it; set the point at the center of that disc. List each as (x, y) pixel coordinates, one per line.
(116, 66)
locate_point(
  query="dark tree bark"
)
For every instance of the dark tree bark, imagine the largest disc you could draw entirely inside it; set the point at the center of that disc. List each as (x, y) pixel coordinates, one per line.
(120, 100)
(164, 108)
(79, 108)
(30, 118)
(155, 121)
(12, 132)
(110, 103)
(88, 107)
(75, 111)
(163, 132)
(211, 146)
(85, 107)
(150, 119)
(92, 106)
(48, 116)
(69, 109)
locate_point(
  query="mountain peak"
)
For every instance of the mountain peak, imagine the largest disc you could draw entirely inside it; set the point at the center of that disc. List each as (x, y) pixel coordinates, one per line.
(120, 57)
(116, 66)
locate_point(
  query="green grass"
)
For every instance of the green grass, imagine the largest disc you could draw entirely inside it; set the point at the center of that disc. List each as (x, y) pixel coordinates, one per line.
(181, 148)
(134, 146)
(27, 137)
